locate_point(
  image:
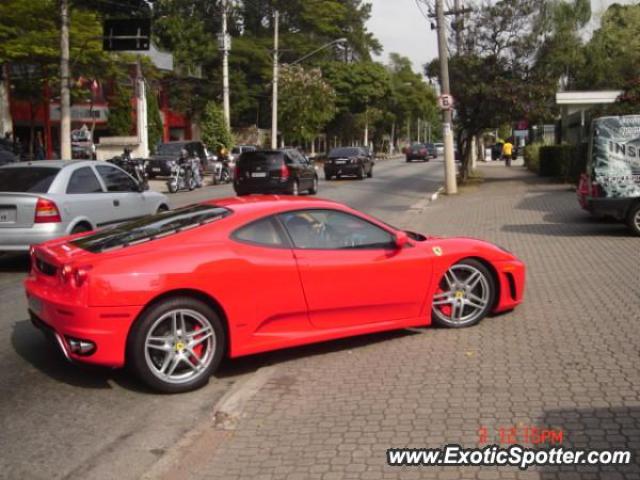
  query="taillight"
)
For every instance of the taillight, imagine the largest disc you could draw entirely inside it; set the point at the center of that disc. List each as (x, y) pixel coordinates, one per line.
(75, 276)
(284, 171)
(46, 212)
(596, 190)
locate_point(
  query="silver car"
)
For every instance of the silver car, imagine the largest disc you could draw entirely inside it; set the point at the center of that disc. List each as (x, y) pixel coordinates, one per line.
(43, 200)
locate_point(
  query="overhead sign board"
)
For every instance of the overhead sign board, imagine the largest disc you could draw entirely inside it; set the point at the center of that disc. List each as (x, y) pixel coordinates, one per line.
(132, 34)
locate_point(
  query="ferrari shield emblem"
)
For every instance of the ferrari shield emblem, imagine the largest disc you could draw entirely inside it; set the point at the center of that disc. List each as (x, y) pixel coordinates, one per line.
(437, 251)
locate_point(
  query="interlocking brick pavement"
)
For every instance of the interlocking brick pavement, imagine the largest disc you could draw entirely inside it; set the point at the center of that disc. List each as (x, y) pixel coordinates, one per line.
(566, 359)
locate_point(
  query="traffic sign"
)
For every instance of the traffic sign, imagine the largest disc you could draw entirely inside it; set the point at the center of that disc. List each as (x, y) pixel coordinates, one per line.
(445, 102)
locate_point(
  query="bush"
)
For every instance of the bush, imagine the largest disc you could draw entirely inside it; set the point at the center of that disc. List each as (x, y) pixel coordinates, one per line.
(565, 162)
(532, 156)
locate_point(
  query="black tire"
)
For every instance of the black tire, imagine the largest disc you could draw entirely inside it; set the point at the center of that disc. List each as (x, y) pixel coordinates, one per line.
(408, 160)
(486, 291)
(327, 176)
(138, 358)
(161, 209)
(633, 219)
(370, 172)
(361, 173)
(314, 188)
(81, 228)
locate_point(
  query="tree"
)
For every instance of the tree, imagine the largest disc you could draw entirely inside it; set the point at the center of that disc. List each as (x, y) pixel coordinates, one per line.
(154, 120)
(214, 130)
(612, 56)
(306, 105)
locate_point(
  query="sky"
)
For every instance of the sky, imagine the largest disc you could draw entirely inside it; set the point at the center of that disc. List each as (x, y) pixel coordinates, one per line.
(401, 28)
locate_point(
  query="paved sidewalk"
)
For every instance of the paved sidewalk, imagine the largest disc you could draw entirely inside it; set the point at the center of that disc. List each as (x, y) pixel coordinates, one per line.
(567, 359)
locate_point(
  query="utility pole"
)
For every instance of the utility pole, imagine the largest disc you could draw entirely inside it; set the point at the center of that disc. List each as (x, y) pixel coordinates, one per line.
(451, 186)
(458, 16)
(65, 95)
(274, 106)
(225, 67)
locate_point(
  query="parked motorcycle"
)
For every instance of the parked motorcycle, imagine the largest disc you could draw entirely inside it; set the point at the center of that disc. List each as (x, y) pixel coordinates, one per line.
(185, 175)
(136, 167)
(221, 171)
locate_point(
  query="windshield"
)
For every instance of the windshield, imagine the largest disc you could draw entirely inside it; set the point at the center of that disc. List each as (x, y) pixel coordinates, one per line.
(344, 152)
(27, 179)
(151, 228)
(170, 149)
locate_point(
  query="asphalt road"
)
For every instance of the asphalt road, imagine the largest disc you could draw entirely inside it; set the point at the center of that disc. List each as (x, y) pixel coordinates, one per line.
(59, 420)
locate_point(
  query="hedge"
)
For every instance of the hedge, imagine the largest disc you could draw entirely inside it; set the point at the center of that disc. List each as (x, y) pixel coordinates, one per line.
(565, 162)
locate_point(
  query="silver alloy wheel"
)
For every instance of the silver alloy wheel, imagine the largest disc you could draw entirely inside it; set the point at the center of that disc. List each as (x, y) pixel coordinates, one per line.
(294, 189)
(314, 189)
(636, 220)
(180, 346)
(464, 295)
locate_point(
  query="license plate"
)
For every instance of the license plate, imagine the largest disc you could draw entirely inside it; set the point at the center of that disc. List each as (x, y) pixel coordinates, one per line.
(7, 215)
(156, 169)
(340, 162)
(35, 305)
(259, 174)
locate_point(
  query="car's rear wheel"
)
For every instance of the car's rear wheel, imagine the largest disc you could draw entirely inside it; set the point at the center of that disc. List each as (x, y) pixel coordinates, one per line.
(465, 295)
(370, 172)
(633, 219)
(176, 345)
(361, 172)
(314, 187)
(81, 228)
(295, 188)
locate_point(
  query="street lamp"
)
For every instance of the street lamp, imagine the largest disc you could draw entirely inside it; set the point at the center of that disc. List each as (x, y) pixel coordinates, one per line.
(274, 105)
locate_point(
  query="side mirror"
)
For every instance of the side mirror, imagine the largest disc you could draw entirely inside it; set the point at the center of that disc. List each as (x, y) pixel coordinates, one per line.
(401, 239)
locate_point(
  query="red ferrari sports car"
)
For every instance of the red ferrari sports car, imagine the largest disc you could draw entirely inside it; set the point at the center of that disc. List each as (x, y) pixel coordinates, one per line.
(169, 295)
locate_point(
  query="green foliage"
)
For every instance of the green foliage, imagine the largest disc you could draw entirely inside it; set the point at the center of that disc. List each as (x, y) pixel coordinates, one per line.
(215, 133)
(612, 56)
(120, 121)
(307, 103)
(154, 120)
(532, 156)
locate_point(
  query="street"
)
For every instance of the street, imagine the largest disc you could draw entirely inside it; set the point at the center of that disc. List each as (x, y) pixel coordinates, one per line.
(65, 421)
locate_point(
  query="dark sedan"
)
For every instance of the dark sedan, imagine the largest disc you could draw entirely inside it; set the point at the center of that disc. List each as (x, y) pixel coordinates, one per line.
(421, 151)
(348, 161)
(167, 154)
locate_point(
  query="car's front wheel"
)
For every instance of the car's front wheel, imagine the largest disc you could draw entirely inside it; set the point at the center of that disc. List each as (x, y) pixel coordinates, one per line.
(465, 295)
(176, 345)
(314, 187)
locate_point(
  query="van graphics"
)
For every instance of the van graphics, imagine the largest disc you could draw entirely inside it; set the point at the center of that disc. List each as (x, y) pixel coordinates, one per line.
(615, 155)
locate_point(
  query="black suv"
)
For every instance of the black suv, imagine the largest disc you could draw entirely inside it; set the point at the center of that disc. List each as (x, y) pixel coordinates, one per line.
(167, 153)
(275, 171)
(356, 161)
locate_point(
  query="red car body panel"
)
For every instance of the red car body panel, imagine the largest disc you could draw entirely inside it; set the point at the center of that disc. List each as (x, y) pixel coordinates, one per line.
(271, 298)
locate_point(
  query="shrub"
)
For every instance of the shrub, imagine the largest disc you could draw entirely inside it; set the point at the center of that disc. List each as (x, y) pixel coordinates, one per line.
(565, 162)
(532, 156)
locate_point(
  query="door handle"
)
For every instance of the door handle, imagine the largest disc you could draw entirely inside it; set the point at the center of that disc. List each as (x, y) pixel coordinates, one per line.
(116, 203)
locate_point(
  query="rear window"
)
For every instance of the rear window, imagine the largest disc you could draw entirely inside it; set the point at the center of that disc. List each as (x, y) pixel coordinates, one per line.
(27, 179)
(344, 152)
(151, 227)
(269, 158)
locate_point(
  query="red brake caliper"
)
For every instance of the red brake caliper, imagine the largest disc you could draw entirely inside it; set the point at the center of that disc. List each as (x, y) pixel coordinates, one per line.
(444, 308)
(198, 349)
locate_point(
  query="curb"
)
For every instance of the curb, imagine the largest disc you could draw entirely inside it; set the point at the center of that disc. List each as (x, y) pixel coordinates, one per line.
(198, 445)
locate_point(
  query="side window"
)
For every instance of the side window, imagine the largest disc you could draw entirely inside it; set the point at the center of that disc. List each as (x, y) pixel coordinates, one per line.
(116, 180)
(83, 180)
(334, 230)
(262, 232)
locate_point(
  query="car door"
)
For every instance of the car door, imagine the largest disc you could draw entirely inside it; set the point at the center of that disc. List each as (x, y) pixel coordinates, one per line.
(276, 309)
(351, 271)
(127, 201)
(85, 197)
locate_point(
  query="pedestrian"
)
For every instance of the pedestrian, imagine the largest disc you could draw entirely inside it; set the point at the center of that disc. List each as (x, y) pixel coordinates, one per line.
(507, 151)
(39, 147)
